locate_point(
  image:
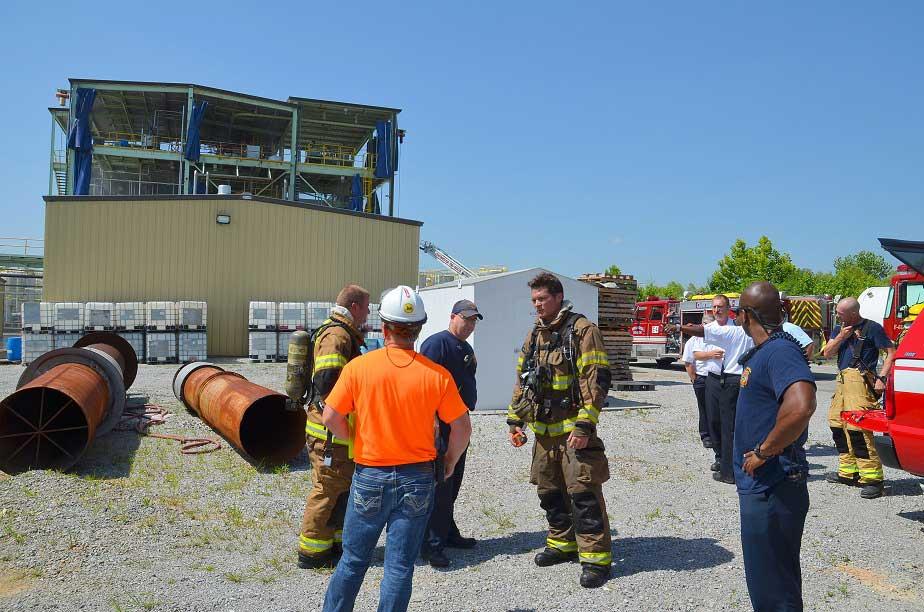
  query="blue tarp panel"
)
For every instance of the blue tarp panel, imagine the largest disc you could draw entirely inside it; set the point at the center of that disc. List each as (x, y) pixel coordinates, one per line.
(384, 150)
(192, 133)
(80, 139)
(356, 198)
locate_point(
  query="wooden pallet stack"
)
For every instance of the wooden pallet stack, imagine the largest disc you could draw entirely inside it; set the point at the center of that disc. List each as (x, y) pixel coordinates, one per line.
(615, 310)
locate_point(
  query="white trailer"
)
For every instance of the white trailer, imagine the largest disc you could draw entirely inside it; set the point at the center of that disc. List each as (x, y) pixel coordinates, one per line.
(504, 300)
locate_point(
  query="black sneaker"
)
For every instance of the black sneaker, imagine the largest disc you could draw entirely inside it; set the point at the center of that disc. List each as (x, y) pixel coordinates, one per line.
(716, 466)
(707, 443)
(593, 576)
(325, 561)
(726, 479)
(553, 556)
(835, 478)
(871, 490)
(457, 541)
(437, 558)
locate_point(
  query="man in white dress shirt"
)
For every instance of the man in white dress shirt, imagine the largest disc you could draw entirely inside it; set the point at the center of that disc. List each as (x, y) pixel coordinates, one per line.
(696, 357)
(722, 386)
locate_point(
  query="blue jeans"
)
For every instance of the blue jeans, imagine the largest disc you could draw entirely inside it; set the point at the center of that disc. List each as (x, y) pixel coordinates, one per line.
(398, 498)
(771, 538)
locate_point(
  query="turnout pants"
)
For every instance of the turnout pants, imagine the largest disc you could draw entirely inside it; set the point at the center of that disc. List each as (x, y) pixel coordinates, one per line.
(855, 446)
(699, 389)
(721, 401)
(771, 538)
(569, 483)
(325, 509)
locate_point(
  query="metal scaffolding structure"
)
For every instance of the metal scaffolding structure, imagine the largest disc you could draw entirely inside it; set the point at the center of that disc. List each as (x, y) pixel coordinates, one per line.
(144, 138)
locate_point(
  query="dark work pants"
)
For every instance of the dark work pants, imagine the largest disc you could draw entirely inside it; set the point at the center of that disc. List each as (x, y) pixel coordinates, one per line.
(771, 538)
(721, 400)
(442, 523)
(699, 388)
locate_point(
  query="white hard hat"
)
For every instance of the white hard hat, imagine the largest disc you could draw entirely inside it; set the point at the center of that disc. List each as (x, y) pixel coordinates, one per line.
(403, 305)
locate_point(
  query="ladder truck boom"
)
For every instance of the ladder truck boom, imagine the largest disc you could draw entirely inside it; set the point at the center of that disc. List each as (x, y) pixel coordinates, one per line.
(446, 259)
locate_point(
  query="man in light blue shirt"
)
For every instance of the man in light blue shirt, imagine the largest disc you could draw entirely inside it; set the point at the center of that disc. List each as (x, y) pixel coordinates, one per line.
(808, 346)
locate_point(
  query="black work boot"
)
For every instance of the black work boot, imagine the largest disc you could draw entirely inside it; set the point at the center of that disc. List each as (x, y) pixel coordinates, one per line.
(437, 558)
(835, 478)
(593, 576)
(336, 552)
(726, 479)
(871, 490)
(325, 561)
(553, 556)
(715, 467)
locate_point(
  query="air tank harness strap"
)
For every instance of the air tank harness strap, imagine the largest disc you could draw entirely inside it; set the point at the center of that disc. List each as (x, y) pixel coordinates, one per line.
(140, 417)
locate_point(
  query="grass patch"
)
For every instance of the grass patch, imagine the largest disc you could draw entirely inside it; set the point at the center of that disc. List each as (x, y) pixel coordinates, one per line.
(132, 602)
(503, 521)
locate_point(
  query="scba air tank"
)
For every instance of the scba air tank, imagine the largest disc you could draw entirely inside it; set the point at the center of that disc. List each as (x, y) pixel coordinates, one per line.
(298, 374)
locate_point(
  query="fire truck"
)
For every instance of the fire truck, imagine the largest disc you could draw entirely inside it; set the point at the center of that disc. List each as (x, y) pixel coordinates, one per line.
(900, 424)
(649, 338)
(890, 306)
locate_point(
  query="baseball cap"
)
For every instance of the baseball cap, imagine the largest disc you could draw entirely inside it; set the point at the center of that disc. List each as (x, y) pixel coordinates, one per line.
(466, 308)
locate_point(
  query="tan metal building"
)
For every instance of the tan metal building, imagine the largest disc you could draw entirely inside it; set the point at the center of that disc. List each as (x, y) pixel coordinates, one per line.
(147, 248)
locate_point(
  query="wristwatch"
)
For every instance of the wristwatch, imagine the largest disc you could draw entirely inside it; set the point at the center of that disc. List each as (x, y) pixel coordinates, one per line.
(757, 453)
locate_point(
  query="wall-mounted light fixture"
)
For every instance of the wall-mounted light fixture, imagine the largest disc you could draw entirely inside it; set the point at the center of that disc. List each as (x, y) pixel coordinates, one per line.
(223, 219)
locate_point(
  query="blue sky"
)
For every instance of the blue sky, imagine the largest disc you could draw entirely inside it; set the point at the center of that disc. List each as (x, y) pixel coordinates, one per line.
(650, 135)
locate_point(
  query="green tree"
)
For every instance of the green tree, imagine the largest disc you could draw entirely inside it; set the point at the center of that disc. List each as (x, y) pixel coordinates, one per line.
(867, 262)
(744, 265)
(672, 289)
(613, 271)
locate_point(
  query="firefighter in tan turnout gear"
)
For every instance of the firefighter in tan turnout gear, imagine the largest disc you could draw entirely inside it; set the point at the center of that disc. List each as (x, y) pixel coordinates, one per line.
(336, 342)
(563, 377)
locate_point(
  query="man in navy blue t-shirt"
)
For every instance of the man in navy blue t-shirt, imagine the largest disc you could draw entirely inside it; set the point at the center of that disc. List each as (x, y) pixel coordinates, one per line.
(775, 403)
(450, 349)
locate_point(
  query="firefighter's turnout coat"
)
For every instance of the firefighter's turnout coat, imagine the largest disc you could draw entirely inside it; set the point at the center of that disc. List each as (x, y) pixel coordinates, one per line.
(337, 342)
(567, 396)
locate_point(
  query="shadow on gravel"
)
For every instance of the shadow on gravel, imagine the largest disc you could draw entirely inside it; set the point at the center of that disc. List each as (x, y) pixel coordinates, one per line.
(109, 456)
(917, 515)
(820, 450)
(903, 487)
(639, 555)
(671, 383)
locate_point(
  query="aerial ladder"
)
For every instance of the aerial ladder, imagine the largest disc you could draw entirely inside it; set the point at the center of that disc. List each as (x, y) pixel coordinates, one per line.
(446, 259)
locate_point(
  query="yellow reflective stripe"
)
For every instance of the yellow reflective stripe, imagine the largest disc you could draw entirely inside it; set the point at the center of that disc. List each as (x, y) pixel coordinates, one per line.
(314, 546)
(320, 432)
(338, 536)
(326, 362)
(873, 474)
(553, 429)
(520, 363)
(511, 414)
(560, 383)
(600, 558)
(588, 413)
(592, 358)
(562, 545)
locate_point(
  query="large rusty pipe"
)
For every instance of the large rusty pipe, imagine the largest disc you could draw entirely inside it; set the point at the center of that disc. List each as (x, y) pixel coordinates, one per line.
(64, 399)
(252, 418)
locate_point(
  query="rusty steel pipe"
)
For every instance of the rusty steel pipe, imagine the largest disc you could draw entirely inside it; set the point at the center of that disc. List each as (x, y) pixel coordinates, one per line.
(254, 419)
(64, 399)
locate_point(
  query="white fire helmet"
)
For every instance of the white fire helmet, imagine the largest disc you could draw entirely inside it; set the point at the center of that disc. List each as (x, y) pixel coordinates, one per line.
(403, 305)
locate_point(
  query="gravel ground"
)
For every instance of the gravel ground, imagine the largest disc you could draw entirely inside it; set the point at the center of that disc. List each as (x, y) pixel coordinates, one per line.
(137, 526)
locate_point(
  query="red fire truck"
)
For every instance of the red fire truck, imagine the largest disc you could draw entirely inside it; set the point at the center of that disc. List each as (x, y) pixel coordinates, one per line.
(901, 422)
(650, 341)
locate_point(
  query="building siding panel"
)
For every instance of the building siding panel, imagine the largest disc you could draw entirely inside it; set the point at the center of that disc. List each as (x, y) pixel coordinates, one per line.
(172, 249)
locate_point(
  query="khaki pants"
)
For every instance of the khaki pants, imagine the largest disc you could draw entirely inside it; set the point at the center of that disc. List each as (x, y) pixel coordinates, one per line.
(855, 446)
(322, 522)
(569, 483)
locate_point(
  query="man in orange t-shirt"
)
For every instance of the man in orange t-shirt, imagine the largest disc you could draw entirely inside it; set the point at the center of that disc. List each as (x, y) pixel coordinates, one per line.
(395, 395)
